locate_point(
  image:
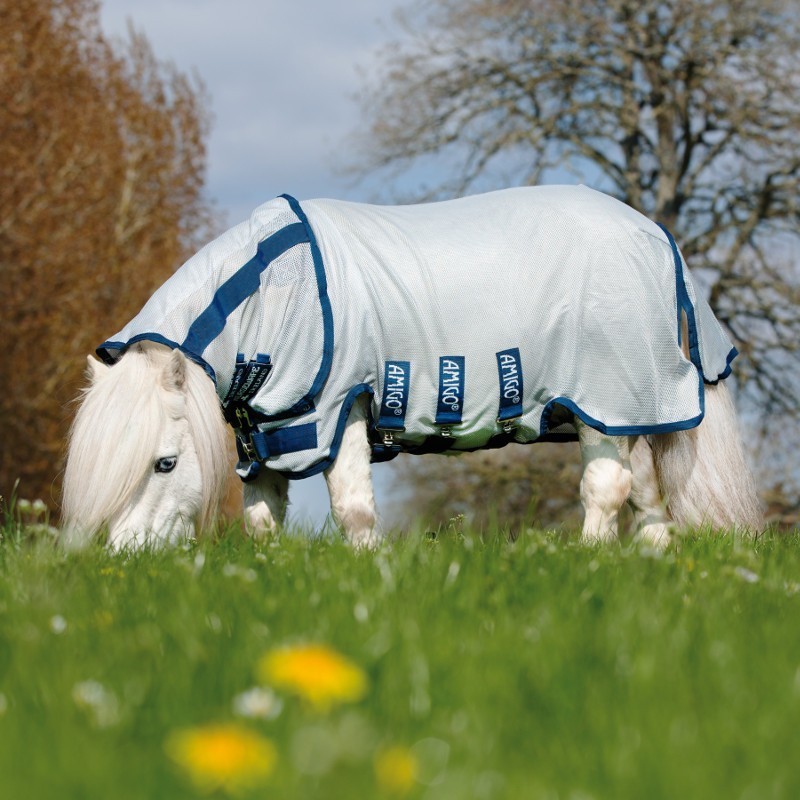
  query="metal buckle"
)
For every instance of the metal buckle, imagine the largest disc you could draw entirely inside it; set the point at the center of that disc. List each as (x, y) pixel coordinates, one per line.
(508, 425)
(244, 433)
(248, 447)
(245, 423)
(446, 432)
(387, 435)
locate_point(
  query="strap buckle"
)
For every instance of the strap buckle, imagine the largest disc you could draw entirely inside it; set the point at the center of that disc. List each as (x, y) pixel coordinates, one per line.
(508, 424)
(248, 448)
(244, 433)
(387, 434)
(245, 423)
(446, 432)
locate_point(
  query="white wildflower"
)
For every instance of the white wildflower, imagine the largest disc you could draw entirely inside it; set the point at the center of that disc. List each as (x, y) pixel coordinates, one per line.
(452, 573)
(99, 703)
(748, 576)
(432, 756)
(235, 571)
(257, 703)
(58, 624)
(214, 622)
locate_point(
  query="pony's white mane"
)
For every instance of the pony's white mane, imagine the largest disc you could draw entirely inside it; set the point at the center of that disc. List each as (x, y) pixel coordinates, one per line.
(115, 434)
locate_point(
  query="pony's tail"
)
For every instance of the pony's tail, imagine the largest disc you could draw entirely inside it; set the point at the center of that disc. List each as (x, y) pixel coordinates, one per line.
(703, 474)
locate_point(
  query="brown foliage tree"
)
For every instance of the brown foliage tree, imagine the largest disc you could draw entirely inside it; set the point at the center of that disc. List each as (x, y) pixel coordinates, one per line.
(103, 159)
(688, 110)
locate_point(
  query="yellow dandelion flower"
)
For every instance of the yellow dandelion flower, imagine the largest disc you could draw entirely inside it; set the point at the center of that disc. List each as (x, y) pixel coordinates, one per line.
(396, 770)
(316, 673)
(227, 757)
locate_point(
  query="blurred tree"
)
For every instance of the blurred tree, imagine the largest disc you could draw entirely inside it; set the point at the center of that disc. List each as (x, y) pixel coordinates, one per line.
(102, 159)
(688, 110)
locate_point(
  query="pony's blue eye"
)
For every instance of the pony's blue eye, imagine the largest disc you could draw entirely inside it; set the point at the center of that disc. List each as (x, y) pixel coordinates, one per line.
(166, 464)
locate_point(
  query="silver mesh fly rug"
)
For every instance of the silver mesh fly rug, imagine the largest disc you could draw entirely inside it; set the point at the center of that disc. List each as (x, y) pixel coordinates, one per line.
(470, 323)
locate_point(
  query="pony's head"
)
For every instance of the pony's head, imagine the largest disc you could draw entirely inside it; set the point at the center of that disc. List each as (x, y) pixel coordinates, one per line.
(147, 451)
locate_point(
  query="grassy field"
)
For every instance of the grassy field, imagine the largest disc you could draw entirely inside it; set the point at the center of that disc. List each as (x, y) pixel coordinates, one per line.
(477, 668)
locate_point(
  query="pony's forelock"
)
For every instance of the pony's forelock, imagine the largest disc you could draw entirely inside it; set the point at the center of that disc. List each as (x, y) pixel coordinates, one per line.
(115, 435)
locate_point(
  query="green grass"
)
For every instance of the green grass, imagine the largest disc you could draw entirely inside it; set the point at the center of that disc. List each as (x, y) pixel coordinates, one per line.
(533, 669)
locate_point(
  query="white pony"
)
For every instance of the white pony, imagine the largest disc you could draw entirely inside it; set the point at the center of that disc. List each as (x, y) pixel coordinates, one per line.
(346, 382)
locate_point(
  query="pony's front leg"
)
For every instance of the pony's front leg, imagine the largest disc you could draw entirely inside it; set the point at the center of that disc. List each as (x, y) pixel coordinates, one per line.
(349, 482)
(606, 482)
(265, 501)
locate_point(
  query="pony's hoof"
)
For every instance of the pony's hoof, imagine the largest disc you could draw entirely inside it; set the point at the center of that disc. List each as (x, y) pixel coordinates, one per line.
(259, 522)
(365, 540)
(656, 535)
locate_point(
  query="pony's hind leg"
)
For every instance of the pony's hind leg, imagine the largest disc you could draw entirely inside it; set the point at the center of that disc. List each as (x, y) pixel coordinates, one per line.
(265, 501)
(606, 482)
(649, 510)
(349, 482)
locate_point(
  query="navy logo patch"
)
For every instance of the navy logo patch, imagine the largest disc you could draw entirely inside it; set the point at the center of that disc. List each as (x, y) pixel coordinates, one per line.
(450, 403)
(396, 378)
(509, 368)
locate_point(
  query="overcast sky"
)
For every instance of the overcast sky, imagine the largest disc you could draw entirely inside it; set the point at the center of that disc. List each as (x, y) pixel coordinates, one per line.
(282, 78)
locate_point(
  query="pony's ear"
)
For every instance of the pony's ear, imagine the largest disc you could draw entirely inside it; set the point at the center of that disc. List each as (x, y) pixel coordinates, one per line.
(95, 369)
(173, 377)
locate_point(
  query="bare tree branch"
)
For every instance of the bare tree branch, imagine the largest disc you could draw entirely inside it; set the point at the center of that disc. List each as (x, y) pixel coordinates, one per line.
(688, 109)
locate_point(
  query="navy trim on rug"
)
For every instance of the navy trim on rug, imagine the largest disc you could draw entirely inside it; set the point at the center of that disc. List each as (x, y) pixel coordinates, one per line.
(103, 351)
(618, 430)
(306, 403)
(344, 413)
(727, 371)
(243, 283)
(684, 304)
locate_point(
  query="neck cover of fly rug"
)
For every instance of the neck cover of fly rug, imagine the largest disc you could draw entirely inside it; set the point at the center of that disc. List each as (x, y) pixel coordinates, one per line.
(470, 323)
